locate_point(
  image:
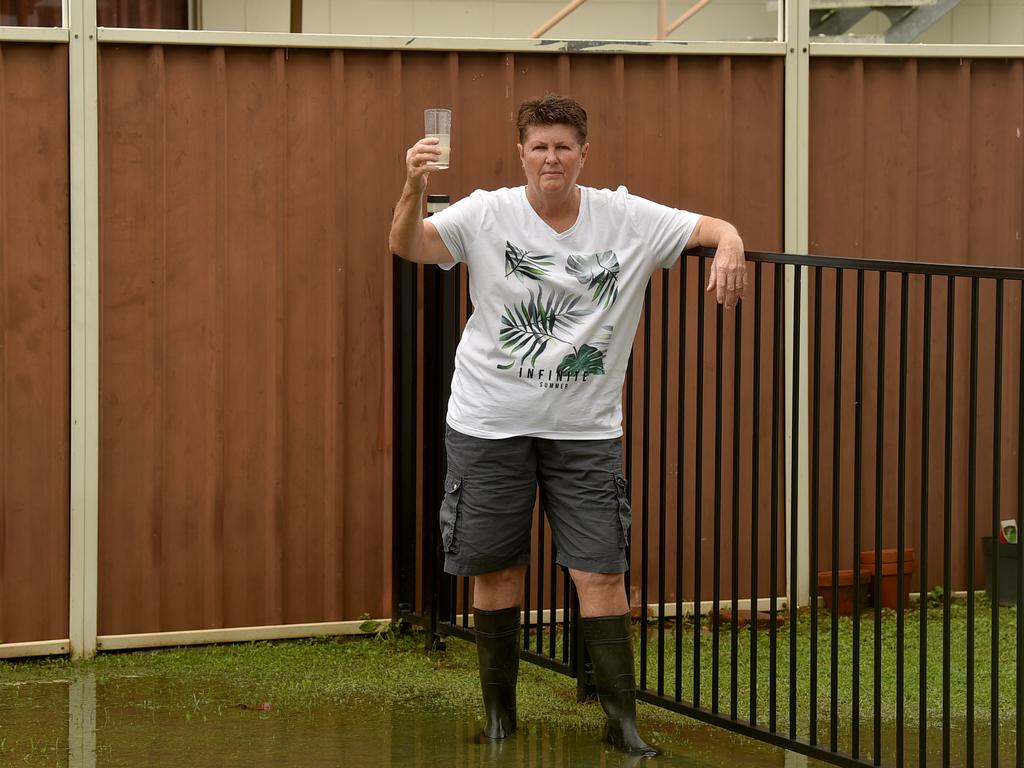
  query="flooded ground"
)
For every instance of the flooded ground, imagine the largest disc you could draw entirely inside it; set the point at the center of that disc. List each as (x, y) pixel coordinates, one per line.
(384, 702)
(82, 723)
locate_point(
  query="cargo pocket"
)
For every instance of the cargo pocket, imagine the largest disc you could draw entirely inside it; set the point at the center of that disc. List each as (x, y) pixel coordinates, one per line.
(450, 512)
(625, 513)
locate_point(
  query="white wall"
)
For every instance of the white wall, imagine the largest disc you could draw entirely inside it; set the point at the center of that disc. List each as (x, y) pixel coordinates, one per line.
(973, 21)
(244, 15)
(596, 19)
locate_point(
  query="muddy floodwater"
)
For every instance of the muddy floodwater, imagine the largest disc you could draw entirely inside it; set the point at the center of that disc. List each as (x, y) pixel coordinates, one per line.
(144, 721)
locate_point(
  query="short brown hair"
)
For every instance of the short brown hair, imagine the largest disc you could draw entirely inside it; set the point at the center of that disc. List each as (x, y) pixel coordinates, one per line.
(553, 109)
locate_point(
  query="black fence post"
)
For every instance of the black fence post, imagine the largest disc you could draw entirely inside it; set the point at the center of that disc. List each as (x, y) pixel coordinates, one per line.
(438, 356)
(448, 329)
(404, 437)
(580, 666)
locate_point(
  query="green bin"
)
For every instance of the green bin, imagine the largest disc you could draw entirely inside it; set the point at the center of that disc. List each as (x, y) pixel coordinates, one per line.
(1008, 556)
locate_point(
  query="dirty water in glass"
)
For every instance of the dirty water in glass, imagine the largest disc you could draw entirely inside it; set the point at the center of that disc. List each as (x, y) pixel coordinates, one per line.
(126, 721)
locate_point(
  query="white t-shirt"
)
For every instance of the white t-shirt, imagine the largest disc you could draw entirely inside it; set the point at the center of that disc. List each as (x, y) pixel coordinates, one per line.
(554, 314)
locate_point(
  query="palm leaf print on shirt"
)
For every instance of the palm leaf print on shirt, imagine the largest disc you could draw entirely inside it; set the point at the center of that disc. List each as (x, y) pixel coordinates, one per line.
(525, 264)
(586, 359)
(528, 328)
(589, 358)
(599, 272)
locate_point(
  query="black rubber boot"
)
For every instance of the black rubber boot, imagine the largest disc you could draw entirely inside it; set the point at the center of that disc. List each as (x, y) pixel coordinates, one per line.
(497, 648)
(610, 643)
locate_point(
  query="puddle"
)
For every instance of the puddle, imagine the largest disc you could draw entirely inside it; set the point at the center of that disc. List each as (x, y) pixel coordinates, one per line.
(189, 720)
(127, 721)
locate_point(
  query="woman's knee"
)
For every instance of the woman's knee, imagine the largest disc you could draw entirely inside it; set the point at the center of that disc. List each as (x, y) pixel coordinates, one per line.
(601, 594)
(597, 581)
(499, 589)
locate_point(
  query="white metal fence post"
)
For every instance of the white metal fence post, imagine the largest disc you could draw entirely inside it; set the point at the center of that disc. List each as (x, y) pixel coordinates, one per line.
(82, 721)
(797, 26)
(83, 115)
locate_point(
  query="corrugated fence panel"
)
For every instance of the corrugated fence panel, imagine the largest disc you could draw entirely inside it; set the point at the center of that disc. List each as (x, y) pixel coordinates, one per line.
(919, 160)
(35, 342)
(246, 323)
(246, 364)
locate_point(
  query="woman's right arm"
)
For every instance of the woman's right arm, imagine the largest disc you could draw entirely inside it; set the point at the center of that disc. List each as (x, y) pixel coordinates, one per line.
(411, 237)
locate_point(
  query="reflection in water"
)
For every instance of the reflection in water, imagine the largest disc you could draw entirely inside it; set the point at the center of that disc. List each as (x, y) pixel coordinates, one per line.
(132, 730)
(117, 722)
(82, 722)
(529, 746)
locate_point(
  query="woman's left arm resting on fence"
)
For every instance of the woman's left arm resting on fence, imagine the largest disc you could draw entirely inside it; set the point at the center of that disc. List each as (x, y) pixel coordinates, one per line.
(729, 269)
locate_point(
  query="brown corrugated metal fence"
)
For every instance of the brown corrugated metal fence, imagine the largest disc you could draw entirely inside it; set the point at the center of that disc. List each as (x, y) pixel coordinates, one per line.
(245, 421)
(920, 160)
(245, 197)
(34, 342)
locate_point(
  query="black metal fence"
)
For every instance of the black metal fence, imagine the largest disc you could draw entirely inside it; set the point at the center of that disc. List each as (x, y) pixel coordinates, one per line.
(903, 406)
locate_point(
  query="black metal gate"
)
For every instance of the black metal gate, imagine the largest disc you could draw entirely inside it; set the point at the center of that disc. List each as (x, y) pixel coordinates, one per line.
(928, 380)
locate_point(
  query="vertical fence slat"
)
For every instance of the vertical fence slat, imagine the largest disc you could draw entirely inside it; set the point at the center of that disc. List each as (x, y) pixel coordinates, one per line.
(997, 468)
(698, 505)
(662, 481)
(879, 468)
(553, 599)
(680, 480)
(947, 522)
(646, 495)
(451, 330)
(734, 550)
(794, 533)
(527, 607)
(716, 546)
(755, 484)
(901, 515)
(453, 587)
(773, 655)
(926, 401)
(567, 608)
(628, 575)
(837, 423)
(404, 482)
(541, 563)
(972, 492)
(857, 478)
(431, 490)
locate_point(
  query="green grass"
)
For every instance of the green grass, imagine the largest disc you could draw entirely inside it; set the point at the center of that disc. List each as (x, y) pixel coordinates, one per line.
(845, 678)
(382, 673)
(316, 677)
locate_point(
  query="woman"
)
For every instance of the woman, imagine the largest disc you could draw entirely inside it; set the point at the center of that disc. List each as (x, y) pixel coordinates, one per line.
(557, 277)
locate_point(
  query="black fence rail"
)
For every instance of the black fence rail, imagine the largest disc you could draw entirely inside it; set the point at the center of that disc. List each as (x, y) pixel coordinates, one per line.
(819, 490)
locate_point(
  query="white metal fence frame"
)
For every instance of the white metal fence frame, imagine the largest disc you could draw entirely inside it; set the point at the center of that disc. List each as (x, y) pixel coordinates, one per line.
(83, 38)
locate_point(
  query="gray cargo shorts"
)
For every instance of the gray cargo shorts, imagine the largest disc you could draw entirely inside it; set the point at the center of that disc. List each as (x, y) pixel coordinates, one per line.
(489, 493)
